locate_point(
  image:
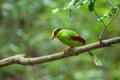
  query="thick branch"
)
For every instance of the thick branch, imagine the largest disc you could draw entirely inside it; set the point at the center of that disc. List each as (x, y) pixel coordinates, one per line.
(20, 59)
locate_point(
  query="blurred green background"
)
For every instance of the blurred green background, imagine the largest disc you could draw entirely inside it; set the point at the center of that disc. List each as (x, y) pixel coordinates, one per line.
(26, 27)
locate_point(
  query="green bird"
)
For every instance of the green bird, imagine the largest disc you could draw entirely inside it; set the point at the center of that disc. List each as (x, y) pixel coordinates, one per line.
(72, 39)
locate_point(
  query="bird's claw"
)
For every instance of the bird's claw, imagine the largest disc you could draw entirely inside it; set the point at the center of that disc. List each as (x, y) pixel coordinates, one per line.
(69, 49)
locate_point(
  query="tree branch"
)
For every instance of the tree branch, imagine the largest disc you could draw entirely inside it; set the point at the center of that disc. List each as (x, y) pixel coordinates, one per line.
(21, 59)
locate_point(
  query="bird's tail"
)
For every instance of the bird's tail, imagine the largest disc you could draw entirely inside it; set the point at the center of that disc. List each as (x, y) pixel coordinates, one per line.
(95, 59)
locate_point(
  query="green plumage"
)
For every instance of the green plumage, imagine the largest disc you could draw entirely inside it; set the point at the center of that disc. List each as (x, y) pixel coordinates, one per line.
(72, 39)
(65, 35)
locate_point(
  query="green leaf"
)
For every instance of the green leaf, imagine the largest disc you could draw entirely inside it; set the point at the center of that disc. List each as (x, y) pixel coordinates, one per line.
(91, 5)
(113, 11)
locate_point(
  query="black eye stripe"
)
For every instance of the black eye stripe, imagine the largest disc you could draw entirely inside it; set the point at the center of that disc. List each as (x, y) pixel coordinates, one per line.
(57, 31)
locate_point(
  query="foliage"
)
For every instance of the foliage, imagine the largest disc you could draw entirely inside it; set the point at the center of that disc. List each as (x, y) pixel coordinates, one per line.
(26, 27)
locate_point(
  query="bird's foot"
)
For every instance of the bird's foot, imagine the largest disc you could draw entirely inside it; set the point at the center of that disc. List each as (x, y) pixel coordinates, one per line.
(69, 49)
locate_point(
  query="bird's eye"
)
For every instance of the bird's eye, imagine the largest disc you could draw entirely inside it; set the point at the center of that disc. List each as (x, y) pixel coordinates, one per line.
(57, 31)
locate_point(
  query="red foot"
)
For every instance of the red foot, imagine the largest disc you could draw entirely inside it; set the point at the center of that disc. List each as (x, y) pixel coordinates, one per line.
(69, 49)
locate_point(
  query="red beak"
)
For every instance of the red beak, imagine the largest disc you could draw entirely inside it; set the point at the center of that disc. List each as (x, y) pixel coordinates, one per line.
(53, 36)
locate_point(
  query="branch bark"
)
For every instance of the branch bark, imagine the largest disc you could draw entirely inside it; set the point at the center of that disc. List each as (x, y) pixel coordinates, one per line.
(21, 59)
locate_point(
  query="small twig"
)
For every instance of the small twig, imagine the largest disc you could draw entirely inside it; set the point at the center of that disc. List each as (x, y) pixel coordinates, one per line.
(99, 18)
(100, 38)
(105, 27)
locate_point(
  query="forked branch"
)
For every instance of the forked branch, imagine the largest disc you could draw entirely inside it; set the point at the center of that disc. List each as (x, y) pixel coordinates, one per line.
(105, 25)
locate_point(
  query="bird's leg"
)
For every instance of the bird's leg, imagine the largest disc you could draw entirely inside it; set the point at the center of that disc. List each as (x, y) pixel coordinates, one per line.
(70, 49)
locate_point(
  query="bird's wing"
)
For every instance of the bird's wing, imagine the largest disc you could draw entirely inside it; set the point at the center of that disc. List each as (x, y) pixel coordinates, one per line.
(78, 38)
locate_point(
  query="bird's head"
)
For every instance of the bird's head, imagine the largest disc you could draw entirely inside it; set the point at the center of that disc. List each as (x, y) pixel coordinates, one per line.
(55, 32)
